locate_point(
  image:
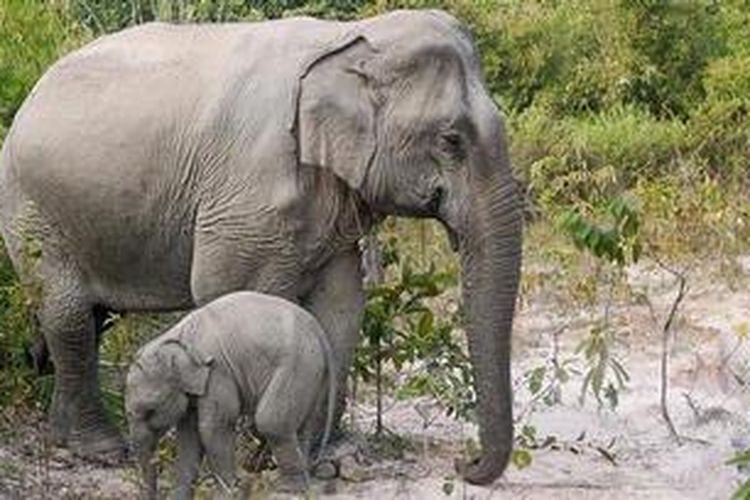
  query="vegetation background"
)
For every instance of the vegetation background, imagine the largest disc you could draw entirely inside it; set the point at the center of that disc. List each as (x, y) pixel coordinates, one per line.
(630, 131)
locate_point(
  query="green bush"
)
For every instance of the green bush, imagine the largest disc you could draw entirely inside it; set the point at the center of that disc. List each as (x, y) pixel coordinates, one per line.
(402, 331)
(105, 16)
(593, 157)
(33, 34)
(728, 79)
(19, 384)
(533, 50)
(720, 127)
(672, 43)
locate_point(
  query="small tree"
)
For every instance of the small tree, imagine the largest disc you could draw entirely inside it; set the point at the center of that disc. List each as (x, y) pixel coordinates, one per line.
(616, 243)
(401, 331)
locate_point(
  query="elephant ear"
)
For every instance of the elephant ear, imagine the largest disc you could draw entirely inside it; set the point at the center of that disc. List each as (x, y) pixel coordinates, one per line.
(189, 369)
(336, 113)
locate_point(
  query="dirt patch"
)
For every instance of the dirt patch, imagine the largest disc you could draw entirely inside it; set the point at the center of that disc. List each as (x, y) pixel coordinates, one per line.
(32, 469)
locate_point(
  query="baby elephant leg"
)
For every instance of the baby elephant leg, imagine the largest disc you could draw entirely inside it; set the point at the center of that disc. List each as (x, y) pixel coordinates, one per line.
(218, 412)
(190, 454)
(292, 464)
(320, 464)
(218, 443)
(278, 418)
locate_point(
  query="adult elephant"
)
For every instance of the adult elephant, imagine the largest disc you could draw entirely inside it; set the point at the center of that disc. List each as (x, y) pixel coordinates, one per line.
(160, 167)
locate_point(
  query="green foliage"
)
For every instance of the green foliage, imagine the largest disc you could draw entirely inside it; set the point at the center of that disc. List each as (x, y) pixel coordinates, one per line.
(743, 492)
(402, 331)
(606, 375)
(33, 34)
(741, 460)
(19, 384)
(103, 16)
(728, 78)
(672, 43)
(619, 243)
(692, 215)
(544, 382)
(521, 458)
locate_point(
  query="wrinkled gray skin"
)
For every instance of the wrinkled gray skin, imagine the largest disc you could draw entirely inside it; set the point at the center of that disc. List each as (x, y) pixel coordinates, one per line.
(243, 354)
(162, 166)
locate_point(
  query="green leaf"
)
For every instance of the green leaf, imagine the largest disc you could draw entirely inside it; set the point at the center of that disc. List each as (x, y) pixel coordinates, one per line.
(741, 458)
(529, 431)
(743, 492)
(620, 372)
(426, 323)
(611, 394)
(562, 375)
(448, 487)
(536, 378)
(521, 458)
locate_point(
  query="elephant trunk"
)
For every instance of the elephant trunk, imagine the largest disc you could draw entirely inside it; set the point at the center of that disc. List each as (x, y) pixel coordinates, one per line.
(491, 261)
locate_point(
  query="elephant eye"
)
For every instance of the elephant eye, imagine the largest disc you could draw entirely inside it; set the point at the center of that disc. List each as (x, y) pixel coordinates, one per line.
(451, 143)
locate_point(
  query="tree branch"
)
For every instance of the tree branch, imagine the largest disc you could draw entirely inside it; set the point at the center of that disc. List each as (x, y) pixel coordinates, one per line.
(666, 337)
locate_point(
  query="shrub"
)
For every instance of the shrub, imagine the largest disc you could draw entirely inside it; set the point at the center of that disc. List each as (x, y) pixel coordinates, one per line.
(672, 44)
(403, 332)
(32, 36)
(591, 158)
(19, 384)
(728, 78)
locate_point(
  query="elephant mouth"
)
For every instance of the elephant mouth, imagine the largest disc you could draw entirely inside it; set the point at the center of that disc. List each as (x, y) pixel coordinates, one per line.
(453, 237)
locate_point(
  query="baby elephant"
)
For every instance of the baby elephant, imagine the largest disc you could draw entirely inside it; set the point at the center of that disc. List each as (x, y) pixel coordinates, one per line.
(245, 353)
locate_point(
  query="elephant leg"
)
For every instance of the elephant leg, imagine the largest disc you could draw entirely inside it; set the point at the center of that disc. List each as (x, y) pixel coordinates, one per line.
(320, 466)
(338, 303)
(286, 449)
(39, 357)
(218, 411)
(218, 444)
(189, 456)
(292, 464)
(279, 415)
(77, 416)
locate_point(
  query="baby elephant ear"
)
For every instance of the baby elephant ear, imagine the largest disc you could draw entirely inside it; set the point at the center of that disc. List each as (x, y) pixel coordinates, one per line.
(191, 371)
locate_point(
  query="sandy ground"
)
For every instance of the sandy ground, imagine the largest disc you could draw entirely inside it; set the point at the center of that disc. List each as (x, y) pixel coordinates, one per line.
(598, 453)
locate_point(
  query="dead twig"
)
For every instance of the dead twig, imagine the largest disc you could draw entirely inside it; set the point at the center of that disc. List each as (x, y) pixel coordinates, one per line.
(667, 338)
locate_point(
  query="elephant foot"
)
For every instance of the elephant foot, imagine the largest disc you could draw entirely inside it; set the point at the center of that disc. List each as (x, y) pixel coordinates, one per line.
(327, 469)
(58, 435)
(103, 446)
(81, 425)
(475, 471)
(293, 484)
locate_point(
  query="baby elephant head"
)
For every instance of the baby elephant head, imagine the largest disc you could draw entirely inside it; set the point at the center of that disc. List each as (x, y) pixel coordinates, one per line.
(158, 388)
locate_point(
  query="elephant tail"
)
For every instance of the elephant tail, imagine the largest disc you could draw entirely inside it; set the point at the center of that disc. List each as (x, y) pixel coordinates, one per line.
(331, 373)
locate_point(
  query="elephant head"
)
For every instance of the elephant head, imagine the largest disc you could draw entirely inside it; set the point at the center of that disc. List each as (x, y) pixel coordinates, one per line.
(158, 387)
(401, 115)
